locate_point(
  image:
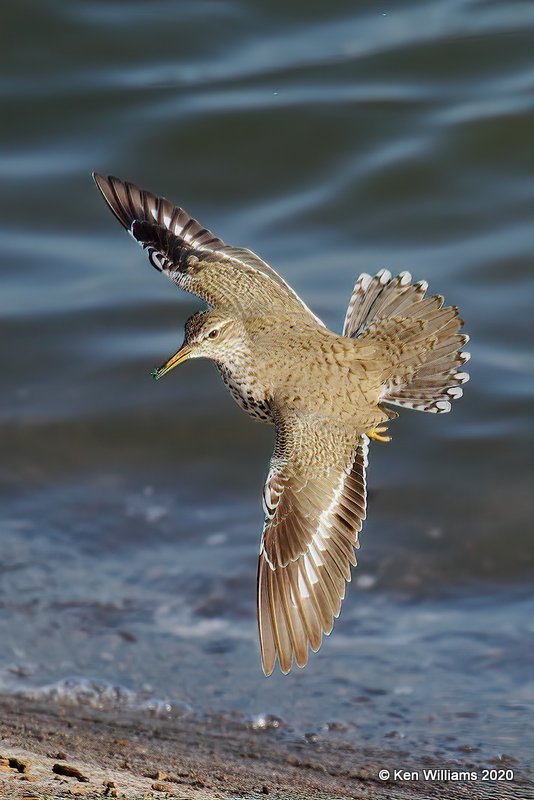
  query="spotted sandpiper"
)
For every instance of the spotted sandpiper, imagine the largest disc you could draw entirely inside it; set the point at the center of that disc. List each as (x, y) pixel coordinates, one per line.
(326, 394)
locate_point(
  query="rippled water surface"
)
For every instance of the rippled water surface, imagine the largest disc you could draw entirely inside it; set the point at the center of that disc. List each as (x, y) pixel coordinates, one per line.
(332, 140)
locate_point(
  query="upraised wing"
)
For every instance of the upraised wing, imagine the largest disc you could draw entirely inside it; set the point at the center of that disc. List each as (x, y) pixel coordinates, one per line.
(193, 258)
(315, 504)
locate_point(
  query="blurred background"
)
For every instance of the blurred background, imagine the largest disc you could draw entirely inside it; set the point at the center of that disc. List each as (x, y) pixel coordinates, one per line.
(331, 140)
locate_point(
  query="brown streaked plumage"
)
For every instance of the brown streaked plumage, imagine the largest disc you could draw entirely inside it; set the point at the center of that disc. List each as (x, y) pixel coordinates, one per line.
(326, 394)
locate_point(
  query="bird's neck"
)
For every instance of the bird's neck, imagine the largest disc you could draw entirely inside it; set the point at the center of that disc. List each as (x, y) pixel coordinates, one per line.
(242, 374)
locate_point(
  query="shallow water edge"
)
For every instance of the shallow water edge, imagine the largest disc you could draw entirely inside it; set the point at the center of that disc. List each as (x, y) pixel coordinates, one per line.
(218, 757)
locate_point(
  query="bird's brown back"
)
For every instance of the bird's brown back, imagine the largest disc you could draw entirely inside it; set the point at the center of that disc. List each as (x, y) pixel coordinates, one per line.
(306, 367)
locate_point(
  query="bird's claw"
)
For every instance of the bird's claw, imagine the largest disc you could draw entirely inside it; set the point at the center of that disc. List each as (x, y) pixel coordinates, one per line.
(377, 434)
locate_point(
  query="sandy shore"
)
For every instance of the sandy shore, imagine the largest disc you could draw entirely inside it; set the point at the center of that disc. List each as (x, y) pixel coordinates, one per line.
(55, 752)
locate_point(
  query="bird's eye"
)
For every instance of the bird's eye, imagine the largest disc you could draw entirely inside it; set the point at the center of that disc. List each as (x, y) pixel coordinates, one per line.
(213, 334)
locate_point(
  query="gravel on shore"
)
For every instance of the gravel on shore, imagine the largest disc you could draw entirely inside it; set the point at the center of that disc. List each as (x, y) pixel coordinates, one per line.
(53, 751)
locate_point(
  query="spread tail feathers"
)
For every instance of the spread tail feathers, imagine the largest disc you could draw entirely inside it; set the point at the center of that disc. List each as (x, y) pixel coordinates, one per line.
(417, 338)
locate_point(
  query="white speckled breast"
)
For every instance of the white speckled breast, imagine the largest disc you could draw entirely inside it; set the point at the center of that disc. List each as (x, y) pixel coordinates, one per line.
(256, 407)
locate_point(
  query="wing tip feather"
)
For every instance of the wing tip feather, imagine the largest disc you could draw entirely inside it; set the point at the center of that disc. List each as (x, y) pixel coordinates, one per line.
(297, 609)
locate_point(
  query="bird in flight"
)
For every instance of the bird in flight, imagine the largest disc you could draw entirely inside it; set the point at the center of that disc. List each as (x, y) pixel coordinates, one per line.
(326, 394)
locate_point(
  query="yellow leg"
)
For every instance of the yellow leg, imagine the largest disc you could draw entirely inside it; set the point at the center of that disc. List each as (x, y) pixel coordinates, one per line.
(377, 434)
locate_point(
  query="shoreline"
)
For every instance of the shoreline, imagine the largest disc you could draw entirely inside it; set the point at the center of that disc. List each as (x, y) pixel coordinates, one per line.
(59, 751)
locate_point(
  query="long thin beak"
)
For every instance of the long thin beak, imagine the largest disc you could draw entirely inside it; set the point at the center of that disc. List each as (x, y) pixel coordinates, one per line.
(181, 355)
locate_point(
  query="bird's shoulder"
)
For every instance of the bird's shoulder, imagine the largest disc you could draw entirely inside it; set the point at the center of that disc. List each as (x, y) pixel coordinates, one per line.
(287, 328)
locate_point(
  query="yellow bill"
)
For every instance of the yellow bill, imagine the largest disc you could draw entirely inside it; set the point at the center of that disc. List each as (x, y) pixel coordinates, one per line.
(181, 355)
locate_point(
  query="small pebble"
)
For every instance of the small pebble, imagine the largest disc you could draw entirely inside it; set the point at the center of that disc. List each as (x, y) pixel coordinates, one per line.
(267, 722)
(161, 787)
(157, 775)
(70, 772)
(20, 764)
(467, 748)
(60, 756)
(336, 726)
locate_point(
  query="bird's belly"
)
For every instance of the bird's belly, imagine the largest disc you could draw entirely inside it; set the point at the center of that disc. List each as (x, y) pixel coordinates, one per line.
(256, 407)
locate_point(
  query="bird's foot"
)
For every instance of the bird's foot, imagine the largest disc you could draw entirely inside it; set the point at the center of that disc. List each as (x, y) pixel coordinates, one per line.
(377, 434)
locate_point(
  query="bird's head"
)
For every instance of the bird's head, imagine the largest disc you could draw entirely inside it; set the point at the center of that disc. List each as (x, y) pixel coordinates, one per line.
(208, 334)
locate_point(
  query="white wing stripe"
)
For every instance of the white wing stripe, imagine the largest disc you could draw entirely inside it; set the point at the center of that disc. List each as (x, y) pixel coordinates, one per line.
(310, 571)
